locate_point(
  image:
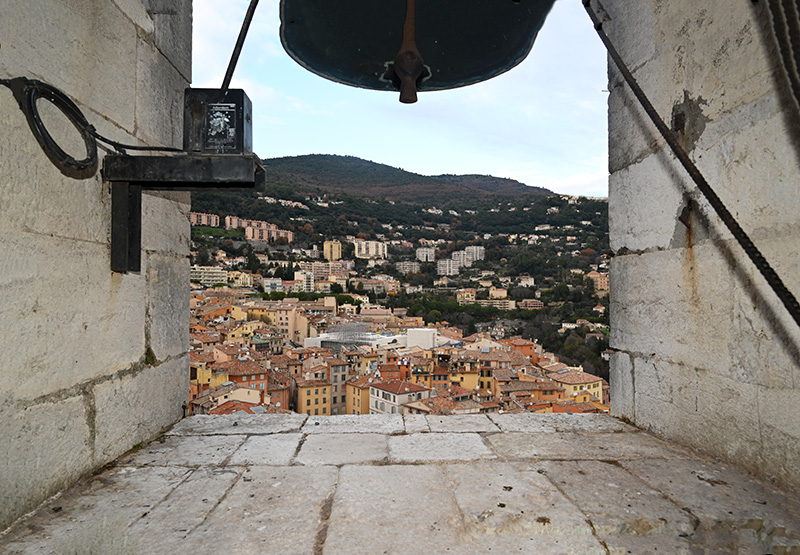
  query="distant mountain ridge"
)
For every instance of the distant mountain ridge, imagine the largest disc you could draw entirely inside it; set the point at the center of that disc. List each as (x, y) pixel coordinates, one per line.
(325, 173)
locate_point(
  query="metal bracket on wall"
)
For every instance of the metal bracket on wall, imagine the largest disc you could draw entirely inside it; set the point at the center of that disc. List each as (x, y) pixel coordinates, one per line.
(130, 175)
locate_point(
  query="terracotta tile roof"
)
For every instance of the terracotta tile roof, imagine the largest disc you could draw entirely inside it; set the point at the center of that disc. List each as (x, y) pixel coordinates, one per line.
(399, 387)
(526, 385)
(240, 367)
(229, 407)
(574, 377)
(201, 357)
(456, 391)
(302, 382)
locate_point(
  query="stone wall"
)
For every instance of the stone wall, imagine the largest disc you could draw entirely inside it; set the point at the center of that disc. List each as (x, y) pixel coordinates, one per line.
(706, 354)
(93, 362)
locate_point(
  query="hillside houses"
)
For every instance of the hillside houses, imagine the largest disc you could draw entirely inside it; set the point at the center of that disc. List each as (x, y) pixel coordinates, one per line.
(252, 352)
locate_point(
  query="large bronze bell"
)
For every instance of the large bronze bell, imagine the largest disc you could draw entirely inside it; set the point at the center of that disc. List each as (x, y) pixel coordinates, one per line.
(410, 45)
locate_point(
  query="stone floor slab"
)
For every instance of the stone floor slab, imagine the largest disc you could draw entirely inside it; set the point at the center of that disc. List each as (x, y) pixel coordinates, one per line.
(270, 510)
(630, 545)
(530, 422)
(438, 447)
(393, 509)
(96, 512)
(185, 451)
(617, 502)
(512, 499)
(339, 449)
(167, 524)
(581, 446)
(355, 424)
(598, 490)
(272, 450)
(478, 423)
(716, 494)
(238, 424)
(416, 423)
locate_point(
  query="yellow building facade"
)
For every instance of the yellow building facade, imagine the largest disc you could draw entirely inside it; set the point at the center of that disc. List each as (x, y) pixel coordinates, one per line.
(313, 397)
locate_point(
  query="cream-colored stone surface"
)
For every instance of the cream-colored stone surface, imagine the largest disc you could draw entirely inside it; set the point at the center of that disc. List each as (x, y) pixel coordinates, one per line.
(78, 338)
(707, 354)
(575, 492)
(134, 408)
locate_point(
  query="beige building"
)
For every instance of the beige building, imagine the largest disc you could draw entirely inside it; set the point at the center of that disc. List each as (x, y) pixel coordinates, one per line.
(332, 250)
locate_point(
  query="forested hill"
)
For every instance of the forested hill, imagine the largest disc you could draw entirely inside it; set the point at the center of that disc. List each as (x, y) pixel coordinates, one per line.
(323, 173)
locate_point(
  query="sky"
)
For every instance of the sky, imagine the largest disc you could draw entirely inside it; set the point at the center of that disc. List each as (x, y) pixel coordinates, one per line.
(543, 123)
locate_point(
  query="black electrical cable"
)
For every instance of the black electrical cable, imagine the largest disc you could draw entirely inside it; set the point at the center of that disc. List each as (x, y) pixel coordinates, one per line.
(28, 92)
(774, 281)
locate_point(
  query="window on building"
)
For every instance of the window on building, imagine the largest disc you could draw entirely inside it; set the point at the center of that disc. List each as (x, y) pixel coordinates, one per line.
(316, 392)
(316, 401)
(324, 410)
(335, 399)
(244, 378)
(308, 412)
(316, 412)
(308, 402)
(324, 390)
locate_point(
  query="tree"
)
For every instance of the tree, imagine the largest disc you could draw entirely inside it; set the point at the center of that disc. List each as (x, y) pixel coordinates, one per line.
(203, 258)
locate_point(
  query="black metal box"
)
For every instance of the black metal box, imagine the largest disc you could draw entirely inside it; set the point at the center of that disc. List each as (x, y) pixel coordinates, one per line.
(217, 122)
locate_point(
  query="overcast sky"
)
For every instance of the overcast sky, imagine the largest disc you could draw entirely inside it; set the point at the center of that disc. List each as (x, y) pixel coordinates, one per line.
(543, 123)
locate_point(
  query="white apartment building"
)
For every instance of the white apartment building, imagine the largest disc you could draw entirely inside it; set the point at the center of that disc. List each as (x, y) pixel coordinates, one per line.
(208, 275)
(407, 267)
(370, 249)
(389, 397)
(461, 259)
(426, 254)
(475, 252)
(447, 267)
(304, 281)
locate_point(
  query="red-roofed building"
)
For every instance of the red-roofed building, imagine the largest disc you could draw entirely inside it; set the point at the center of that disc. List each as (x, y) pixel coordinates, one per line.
(575, 381)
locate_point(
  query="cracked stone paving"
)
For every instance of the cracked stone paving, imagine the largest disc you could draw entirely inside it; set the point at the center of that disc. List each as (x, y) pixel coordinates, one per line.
(499, 483)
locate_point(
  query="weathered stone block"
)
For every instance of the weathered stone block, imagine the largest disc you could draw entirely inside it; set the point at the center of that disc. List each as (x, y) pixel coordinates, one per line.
(173, 33)
(263, 502)
(136, 406)
(159, 104)
(94, 61)
(373, 494)
(645, 201)
(339, 449)
(167, 305)
(461, 423)
(191, 451)
(46, 447)
(355, 424)
(37, 198)
(165, 527)
(628, 26)
(499, 500)
(616, 502)
(271, 450)
(236, 424)
(623, 386)
(165, 223)
(668, 303)
(438, 447)
(77, 322)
